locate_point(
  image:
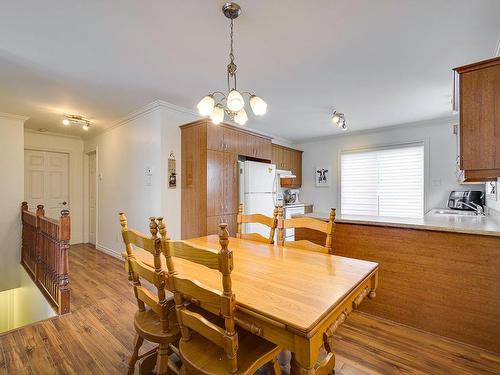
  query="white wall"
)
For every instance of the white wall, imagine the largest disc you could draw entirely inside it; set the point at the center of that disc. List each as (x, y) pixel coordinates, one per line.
(441, 152)
(74, 147)
(124, 153)
(11, 196)
(171, 119)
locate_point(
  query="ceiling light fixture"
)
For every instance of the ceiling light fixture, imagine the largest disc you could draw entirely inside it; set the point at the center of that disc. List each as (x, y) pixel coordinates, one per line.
(339, 120)
(233, 103)
(76, 119)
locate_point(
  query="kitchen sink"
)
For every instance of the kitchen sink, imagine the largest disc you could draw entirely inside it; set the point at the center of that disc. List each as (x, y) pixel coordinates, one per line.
(454, 212)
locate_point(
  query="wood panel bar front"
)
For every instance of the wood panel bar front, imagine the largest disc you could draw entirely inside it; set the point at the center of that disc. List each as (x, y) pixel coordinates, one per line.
(441, 282)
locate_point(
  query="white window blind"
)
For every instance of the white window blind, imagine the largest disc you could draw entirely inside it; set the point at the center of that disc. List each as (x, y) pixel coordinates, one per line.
(383, 182)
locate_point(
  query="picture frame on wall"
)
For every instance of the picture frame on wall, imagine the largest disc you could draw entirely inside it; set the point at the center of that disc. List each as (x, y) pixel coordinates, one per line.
(491, 190)
(322, 175)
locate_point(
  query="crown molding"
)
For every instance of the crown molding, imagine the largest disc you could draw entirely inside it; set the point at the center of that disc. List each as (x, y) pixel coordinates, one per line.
(11, 116)
(53, 134)
(143, 111)
(438, 121)
(156, 104)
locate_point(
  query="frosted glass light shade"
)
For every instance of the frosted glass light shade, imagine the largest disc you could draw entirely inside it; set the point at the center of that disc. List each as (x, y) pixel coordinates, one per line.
(85, 127)
(241, 117)
(206, 105)
(259, 106)
(217, 115)
(336, 119)
(235, 101)
(65, 122)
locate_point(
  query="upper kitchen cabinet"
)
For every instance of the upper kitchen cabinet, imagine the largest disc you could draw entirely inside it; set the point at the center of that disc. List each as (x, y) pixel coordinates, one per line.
(288, 159)
(479, 106)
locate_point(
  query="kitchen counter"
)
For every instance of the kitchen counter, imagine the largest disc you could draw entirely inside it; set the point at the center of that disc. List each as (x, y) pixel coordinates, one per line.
(438, 273)
(485, 225)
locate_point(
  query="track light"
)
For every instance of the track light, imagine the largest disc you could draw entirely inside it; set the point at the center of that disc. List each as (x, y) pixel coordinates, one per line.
(339, 120)
(76, 119)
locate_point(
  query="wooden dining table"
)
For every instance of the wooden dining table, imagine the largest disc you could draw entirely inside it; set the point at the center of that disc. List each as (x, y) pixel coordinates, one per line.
(289, 296)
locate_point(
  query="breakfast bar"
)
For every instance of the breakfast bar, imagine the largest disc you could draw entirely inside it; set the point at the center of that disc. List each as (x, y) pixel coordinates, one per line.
(439, 273)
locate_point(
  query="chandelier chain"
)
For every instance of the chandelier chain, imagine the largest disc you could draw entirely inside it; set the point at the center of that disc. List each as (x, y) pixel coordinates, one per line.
(231, 54)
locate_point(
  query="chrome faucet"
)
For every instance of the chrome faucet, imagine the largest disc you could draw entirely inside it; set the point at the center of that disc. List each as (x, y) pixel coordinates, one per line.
(478, 209)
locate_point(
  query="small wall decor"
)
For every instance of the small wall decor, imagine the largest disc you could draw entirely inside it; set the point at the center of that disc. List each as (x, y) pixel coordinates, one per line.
(172, 176)
(491, 190)
(322, 175)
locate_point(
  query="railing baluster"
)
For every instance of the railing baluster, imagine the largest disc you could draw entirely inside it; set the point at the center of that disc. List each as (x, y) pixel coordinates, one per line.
(44, 253)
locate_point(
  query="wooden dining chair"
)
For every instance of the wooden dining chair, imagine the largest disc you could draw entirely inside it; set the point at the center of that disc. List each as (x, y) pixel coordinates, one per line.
(327, 228)
(155, 319)
(271, 222)
(213, 345)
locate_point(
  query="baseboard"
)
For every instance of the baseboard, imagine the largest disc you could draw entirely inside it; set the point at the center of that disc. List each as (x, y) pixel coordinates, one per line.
(107, 250)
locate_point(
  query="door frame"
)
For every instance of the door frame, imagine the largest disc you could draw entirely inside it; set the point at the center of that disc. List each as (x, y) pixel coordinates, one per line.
(59, 151)
(86, 193)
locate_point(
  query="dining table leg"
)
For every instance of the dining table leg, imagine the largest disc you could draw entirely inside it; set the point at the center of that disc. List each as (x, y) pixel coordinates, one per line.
(298, 368)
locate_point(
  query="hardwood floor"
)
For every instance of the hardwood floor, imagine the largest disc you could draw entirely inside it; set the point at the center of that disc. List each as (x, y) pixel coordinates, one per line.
(96, 338)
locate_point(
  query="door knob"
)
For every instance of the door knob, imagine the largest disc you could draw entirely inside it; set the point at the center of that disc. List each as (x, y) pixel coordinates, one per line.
(63, 203)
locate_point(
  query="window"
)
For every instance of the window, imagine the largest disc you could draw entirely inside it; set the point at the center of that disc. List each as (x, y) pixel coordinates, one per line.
(383, 182)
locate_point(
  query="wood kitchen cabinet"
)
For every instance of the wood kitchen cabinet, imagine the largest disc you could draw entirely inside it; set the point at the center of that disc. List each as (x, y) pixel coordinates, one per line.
(209, 180)
(479, 107)
(215, 173)
(230, 183)
(288, 159)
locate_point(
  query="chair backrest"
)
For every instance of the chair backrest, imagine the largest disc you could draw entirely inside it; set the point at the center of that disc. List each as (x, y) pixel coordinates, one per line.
(139, 270)
(214, 301)
(309, 223)
(271, 222)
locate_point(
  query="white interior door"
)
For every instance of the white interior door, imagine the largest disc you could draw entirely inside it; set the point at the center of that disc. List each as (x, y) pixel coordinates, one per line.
(46, 181)
(92, 198)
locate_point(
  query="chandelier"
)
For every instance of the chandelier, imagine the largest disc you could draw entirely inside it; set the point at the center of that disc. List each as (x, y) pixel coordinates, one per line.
(217, 104)
(76, 119)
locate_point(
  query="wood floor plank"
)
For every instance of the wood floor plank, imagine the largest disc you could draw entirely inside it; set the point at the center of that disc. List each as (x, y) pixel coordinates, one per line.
(16, 361)
(97, 336)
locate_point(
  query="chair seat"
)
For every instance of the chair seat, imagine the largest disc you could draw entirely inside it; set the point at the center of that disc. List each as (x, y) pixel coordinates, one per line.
(147, 324)
(306, 245)
(201, 356)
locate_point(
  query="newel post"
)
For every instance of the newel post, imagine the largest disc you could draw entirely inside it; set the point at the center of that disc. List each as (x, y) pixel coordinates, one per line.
(64, 237)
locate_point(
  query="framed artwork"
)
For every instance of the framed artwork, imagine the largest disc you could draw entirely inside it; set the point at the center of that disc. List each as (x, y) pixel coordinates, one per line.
(172, 176)
(322, 176)
(491, 190)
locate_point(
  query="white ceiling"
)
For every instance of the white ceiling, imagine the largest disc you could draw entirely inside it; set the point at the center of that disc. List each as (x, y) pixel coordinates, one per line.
(380, 62)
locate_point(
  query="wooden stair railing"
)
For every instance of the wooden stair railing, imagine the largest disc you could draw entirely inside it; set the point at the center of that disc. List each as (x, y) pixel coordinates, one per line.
(44, 254)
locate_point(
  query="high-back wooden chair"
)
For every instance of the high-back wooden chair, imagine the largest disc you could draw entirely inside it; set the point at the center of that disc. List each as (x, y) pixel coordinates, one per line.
(213, 346)
(155, 319)
(271, 222)
(309, 223)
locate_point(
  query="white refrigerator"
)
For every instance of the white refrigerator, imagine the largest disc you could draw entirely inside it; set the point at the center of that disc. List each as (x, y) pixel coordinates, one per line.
(257, 192)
